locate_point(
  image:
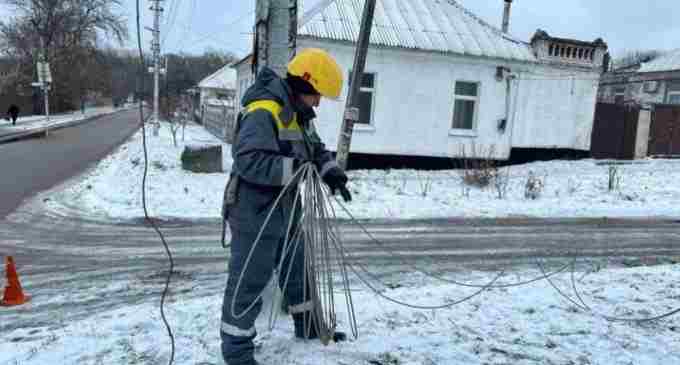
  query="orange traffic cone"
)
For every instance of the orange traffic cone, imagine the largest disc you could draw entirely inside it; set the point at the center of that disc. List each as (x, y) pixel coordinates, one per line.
(13, 293)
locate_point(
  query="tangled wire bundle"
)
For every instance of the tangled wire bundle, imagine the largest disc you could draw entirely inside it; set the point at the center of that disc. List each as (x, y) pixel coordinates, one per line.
(312, 227)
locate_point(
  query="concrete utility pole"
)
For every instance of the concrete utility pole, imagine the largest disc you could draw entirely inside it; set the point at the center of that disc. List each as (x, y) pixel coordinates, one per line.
(275, 34)
(352, 106)
(156, 51)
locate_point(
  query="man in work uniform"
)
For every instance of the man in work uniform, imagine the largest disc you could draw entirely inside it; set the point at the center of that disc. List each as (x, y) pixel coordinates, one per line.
(274, 138)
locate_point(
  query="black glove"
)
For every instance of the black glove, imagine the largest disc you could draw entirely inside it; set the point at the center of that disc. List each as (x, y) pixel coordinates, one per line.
(336, 179)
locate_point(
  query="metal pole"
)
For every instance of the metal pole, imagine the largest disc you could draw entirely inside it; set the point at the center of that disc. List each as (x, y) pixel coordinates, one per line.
(46, 87)
(46, 94)
(351, 108)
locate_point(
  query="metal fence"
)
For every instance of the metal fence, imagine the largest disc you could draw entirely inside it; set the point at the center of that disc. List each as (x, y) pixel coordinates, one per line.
(219, 120)
(664, 134)
(614, 131)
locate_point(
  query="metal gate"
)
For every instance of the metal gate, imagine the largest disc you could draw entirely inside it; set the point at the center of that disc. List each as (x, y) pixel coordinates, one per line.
(614, 131)
(664, 134)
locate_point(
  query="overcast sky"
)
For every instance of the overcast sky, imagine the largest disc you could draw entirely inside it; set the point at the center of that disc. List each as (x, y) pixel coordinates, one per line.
(196, 25)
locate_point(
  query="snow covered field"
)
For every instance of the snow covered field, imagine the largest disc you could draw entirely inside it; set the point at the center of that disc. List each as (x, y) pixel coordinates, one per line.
(530, 324)
(572, 188)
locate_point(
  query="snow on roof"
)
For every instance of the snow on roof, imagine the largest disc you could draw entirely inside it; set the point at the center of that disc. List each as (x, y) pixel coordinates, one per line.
(224, 78)
(432, 25)
(667, 62)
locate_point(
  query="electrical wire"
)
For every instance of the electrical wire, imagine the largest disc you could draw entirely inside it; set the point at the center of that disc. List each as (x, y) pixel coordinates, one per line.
(321, 235)
(142, 72)
(189, 25)
(403, 260)
(583, 306)
(202, 37)
(319, 226)
(169, 23)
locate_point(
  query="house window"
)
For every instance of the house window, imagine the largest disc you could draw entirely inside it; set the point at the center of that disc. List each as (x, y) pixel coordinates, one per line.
(619, 95)
(465, 105)
(673, 93)
(366, 97)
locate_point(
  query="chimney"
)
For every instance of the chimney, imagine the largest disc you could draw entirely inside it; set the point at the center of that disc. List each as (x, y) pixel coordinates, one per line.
(506, 15)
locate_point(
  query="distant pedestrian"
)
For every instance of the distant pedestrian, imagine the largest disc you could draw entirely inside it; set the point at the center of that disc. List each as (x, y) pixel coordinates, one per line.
(13, 112)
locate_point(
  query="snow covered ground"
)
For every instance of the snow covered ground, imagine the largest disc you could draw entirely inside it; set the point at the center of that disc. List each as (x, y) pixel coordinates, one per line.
(646, 188)
(529, 324)
(39, 121)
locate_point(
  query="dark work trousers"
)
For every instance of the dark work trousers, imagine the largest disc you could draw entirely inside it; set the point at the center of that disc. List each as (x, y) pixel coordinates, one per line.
(237, 332)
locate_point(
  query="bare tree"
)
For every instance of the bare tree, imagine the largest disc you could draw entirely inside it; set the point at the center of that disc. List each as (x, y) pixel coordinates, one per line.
(501, 181)
(63, 24)
(66, 33)
(478, 167)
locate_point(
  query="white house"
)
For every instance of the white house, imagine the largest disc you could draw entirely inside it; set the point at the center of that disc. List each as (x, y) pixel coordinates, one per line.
(221, 85)
(439, 80)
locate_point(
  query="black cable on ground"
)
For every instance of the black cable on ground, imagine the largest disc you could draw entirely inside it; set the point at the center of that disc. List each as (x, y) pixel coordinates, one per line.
(545, 275)
(394, 254)
(142, 71)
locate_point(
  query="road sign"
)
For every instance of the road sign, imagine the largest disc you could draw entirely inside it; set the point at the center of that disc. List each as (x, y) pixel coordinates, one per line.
(44, 74)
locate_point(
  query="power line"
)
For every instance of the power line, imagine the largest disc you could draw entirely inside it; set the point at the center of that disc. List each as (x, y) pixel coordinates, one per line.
(142, 72)
(189, 24)
(232, 23)
(170, 20)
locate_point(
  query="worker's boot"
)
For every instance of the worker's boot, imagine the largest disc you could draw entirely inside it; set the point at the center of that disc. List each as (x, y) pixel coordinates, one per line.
(309, 332)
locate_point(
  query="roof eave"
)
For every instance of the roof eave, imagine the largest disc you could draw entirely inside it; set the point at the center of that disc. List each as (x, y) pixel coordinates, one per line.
(380, 46)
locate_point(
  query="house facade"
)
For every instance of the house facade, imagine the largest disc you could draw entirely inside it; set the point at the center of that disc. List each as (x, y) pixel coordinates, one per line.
(646, 84)
(220, 87)
(441, 82)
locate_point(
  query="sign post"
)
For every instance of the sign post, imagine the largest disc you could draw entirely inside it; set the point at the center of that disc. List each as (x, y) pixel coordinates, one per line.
(44, 81)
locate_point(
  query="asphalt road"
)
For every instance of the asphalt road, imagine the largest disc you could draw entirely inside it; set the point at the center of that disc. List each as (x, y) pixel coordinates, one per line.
(32, 165)
(65, 257)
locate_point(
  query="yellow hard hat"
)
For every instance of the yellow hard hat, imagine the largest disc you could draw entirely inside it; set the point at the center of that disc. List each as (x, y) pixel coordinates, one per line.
(320, 69)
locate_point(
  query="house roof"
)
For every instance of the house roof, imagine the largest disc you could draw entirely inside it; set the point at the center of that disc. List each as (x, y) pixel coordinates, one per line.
(224, 78)
(667, 62)
(240, 61)
(431, 25)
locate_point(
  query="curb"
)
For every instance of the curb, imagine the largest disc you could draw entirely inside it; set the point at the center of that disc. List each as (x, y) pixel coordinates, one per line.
(17, 136)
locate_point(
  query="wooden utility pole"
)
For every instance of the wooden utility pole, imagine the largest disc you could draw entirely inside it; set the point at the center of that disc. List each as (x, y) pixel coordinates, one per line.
(352, 106)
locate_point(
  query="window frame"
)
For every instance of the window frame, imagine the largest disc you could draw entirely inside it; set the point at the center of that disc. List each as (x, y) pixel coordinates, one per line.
(370, 126)
(673, 90)
(672, 94)
(475, 116)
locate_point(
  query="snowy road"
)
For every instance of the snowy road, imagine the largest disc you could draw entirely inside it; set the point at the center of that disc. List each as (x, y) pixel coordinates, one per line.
(88, 266)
